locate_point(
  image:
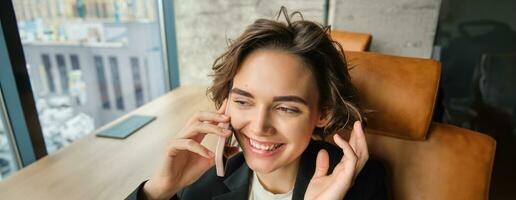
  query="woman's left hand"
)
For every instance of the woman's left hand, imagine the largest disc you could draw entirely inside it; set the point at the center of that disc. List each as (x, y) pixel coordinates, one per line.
(336, 185)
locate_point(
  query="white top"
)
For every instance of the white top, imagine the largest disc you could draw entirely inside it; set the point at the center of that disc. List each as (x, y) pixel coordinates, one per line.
(258, 192)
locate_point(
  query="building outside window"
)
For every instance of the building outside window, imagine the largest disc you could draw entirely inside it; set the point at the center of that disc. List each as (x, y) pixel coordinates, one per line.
(78, 59)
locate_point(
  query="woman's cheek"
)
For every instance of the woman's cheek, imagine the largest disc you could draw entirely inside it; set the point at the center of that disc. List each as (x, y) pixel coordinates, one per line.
(237, 120)
(298, 124)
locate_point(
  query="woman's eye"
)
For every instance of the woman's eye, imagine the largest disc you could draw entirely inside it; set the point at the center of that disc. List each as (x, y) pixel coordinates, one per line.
(288, 110)
(239, 102)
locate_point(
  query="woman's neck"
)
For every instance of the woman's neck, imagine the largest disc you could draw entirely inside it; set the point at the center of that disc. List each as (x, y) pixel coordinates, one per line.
(281, 180)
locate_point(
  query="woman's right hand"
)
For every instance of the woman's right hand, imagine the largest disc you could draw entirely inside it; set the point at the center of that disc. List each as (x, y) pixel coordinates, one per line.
(186, 159)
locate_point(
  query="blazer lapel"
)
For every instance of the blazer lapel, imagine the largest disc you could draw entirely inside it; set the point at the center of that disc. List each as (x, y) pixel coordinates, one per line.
(305, 172)
(237, 183)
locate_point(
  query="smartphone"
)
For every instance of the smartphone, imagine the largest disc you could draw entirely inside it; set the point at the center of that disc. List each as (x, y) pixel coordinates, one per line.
(224, 145)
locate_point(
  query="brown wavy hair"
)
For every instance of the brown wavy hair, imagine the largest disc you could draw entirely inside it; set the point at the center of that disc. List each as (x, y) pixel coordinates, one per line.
(312, 43)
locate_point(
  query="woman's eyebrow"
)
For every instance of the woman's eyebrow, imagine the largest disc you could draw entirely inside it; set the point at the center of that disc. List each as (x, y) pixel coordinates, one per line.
(277, 98)
(290, 98)
(242, 92)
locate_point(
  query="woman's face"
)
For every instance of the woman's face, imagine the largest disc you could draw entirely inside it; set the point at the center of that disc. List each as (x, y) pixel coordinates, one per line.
(273, 108)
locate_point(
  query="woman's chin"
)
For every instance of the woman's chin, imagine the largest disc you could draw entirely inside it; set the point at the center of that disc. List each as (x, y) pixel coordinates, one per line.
(261, 167)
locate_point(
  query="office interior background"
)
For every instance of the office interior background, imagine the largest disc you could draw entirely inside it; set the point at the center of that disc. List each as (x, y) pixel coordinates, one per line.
(89, 62)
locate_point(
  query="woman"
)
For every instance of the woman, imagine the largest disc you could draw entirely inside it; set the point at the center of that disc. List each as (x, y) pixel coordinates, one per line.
(288, 83)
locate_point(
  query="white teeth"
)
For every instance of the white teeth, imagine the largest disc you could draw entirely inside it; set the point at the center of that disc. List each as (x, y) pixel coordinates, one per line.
(263, 147)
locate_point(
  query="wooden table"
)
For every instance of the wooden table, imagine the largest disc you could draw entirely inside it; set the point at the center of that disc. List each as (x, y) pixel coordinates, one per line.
(104, 168)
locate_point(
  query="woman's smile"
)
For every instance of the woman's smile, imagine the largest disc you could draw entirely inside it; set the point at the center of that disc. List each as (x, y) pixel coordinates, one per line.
(262, 149)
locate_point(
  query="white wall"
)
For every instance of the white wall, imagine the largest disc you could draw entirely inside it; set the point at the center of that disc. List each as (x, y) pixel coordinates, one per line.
(203, 27)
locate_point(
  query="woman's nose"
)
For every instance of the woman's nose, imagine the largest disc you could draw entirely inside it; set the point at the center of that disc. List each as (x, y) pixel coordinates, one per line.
(261, 124)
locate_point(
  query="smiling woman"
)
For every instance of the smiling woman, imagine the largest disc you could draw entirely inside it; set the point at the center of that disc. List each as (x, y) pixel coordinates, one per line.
(288, 83)
(268, 116)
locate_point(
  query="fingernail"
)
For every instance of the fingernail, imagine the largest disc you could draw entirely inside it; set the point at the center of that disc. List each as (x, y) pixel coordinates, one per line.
(224, 116)
(227, 131)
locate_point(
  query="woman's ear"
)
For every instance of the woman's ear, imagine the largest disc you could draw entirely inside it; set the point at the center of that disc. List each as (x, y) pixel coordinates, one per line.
(324, 118)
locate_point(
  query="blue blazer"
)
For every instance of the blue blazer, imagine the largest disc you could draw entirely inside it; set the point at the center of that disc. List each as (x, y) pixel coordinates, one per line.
(369, 184)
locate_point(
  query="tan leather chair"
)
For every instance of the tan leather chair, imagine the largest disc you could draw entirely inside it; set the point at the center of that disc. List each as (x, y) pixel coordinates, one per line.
(424, 160)
(352, 41)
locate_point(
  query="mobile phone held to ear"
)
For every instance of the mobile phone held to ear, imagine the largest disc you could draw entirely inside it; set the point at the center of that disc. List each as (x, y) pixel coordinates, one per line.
(223, 144)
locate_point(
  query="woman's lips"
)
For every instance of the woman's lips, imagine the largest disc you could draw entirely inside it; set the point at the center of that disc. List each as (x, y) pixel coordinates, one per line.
(263, 148)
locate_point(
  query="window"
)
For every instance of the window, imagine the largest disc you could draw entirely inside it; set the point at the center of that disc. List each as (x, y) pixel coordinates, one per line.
(137, 80)
(115, 76)
(48, 72)
(76, 81)
(75, 62)
(63, 73)
(101, 76)
(80, 53)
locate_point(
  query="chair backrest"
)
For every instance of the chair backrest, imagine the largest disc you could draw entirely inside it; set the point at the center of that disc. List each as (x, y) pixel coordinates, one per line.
(352, 41)
(424, 160)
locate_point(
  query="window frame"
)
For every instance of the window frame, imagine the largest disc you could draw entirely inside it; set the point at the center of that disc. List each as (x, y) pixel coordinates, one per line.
(20, 107)
(166, 17)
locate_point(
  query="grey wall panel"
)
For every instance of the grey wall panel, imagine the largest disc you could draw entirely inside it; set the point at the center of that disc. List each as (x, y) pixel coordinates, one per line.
(398, 27)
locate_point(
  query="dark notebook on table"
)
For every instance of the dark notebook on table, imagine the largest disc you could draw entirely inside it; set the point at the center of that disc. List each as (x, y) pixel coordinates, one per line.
(126, 127)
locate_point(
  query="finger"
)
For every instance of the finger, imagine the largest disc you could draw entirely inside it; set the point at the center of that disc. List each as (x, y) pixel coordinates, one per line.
(349, 157)
(357, 139)
(211, 129)
(348, 163)
(179, 145)
(210, 117)
(322, 164)
(359, 145)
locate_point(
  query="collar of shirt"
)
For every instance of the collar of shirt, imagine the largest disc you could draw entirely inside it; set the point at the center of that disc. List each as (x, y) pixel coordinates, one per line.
(258, 192)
